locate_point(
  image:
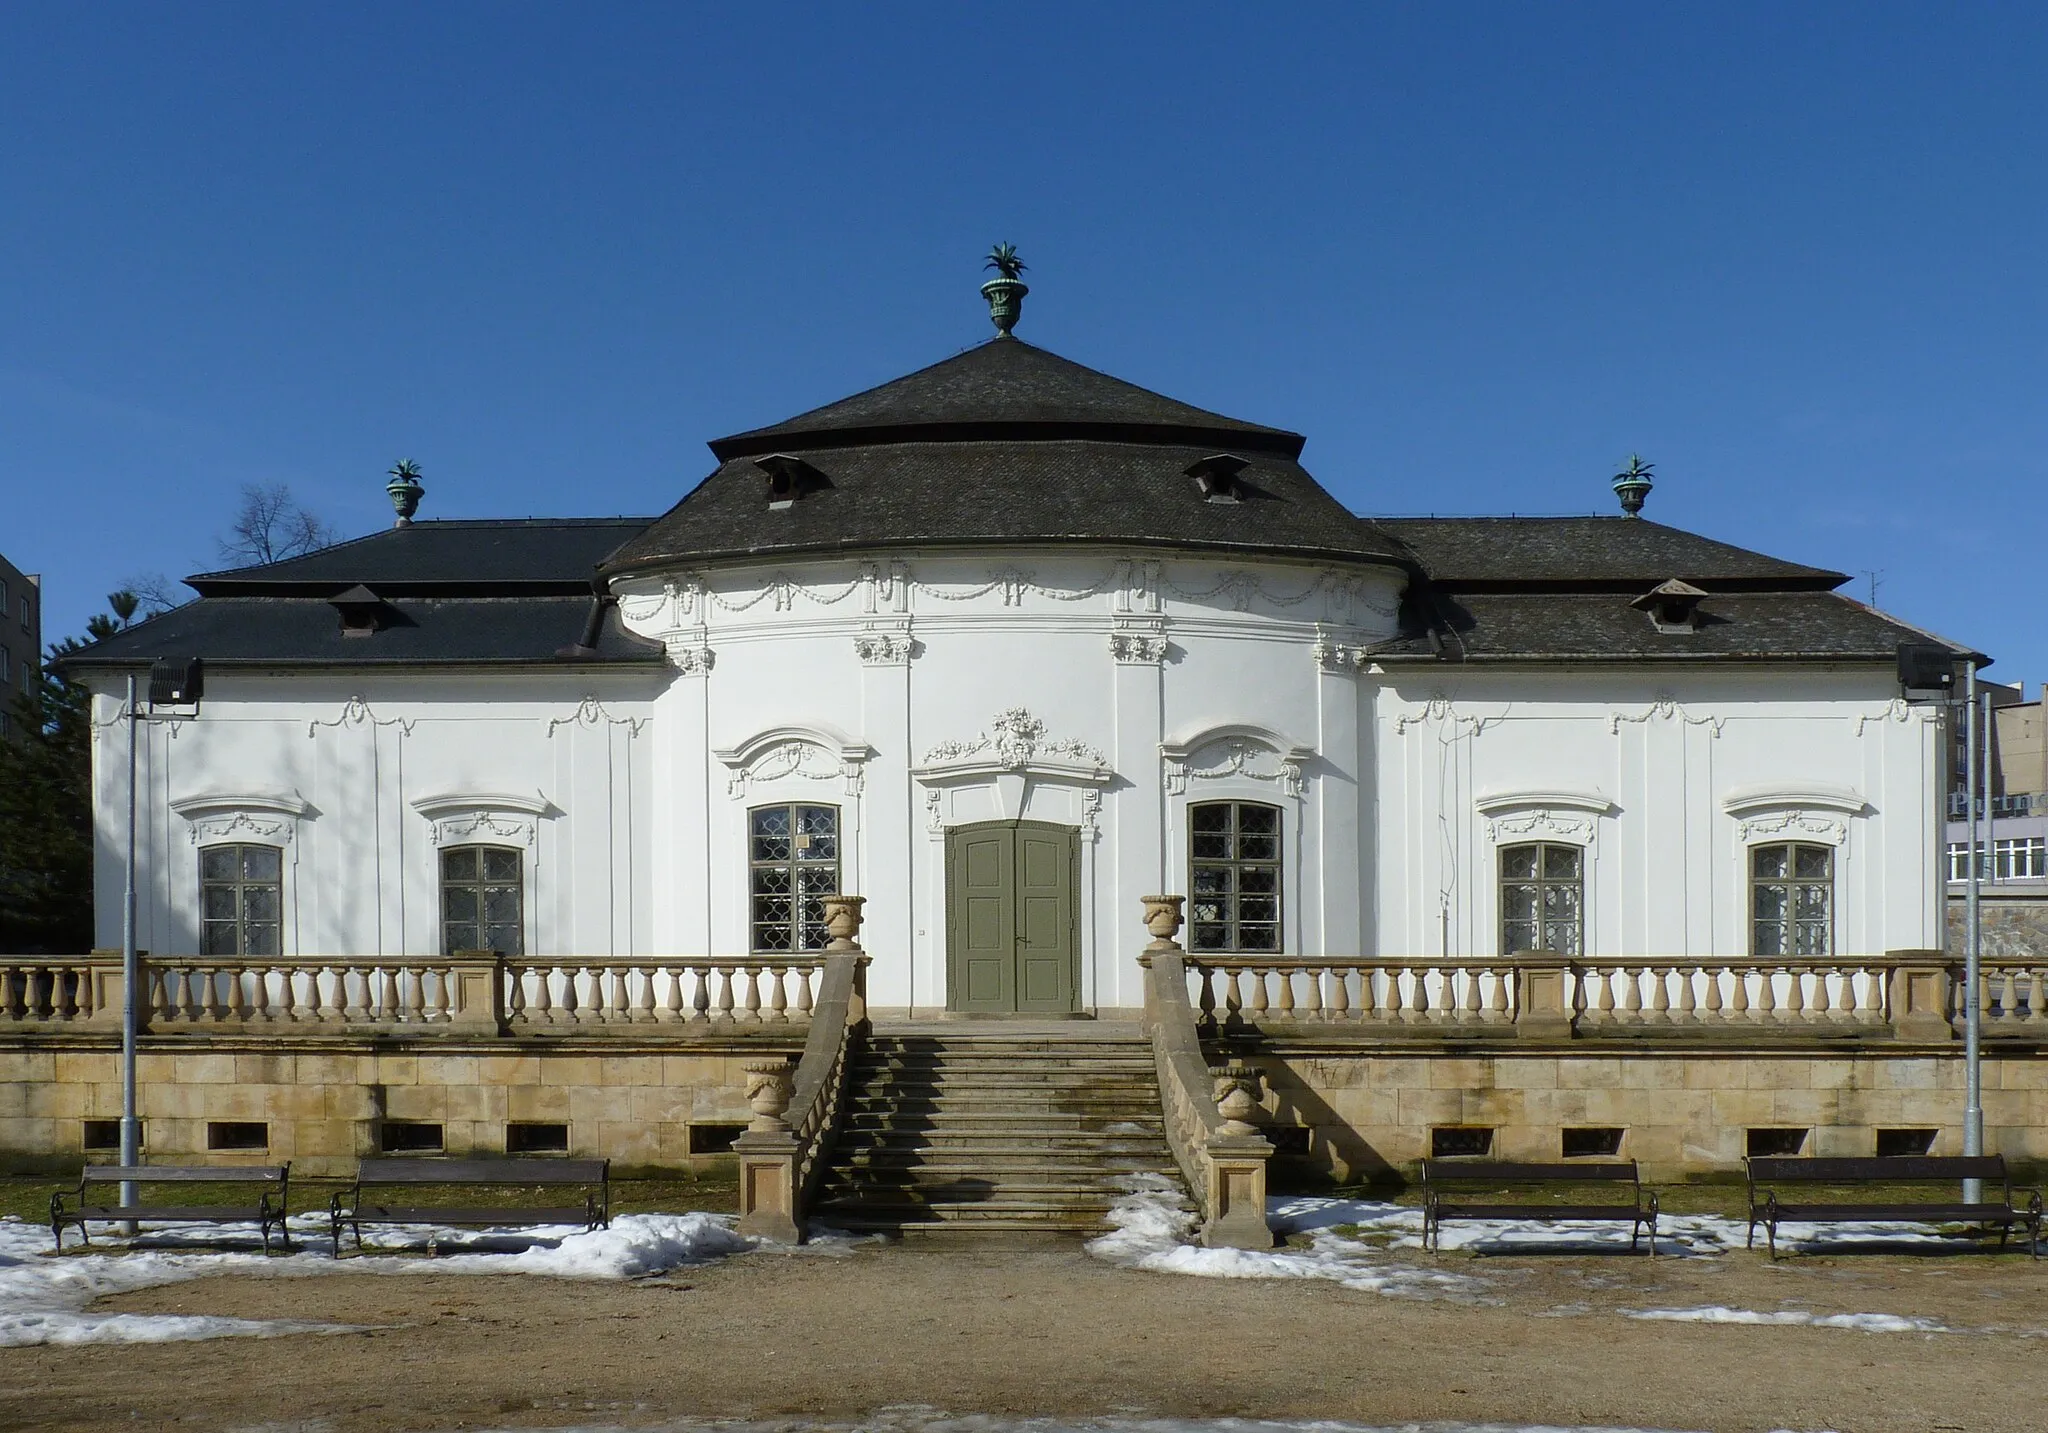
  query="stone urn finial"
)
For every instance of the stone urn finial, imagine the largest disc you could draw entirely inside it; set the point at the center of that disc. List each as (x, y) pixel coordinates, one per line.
(842, 922)
(1632, 484)
(1162, 918)
(406, 490)
(1005, 293)
(770, 1084)
(1236, 1092)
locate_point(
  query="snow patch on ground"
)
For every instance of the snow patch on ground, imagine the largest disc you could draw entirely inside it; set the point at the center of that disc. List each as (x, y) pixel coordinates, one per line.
(1862, 1323)
(43, 1298)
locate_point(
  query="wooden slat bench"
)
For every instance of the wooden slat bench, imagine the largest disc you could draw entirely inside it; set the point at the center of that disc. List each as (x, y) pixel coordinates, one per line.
(379, 1182)
(1452, 1189)
(1820, 1186)
(80, 1207)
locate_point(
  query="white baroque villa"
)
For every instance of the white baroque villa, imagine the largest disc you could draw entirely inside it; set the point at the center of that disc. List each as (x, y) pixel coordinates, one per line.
(1004, 647)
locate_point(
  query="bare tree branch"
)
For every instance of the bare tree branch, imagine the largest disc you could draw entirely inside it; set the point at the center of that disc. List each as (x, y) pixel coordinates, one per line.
(271, 525)
(156, 592)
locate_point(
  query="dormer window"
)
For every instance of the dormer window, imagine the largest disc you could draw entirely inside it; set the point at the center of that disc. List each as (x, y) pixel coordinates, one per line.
(1673, 606)
(362, 611)
(1216, 476)
(789, 478)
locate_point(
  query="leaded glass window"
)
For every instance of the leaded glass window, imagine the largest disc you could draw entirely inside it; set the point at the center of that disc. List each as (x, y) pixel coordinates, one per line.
(241, 900)
(483, 900)
(793, 864)
(1791, 900)
(1234, 876)
(1542, 898)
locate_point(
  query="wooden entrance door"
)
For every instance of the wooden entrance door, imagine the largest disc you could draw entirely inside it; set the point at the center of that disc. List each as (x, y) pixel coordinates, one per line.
(1012, 918)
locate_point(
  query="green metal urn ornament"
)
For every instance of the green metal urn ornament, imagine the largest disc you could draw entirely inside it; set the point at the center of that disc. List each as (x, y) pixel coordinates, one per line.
(1632, 484)
(406, 490)
(1005, 293)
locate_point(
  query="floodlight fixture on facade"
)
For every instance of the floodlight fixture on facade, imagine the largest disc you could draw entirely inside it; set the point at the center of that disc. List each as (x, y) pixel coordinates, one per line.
(1927, 671)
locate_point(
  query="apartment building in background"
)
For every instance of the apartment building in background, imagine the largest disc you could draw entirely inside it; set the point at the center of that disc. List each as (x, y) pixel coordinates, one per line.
(2013, 830)
(21, 637)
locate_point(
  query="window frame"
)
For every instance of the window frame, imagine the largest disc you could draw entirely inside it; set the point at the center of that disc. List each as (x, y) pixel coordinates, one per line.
(1543, 883)
(240, 884)
(805, 934)
(480, 884)
(1233, 923)
(1790, 921)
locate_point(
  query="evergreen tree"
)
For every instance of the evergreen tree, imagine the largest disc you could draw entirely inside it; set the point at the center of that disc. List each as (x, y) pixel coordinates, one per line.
(46, 830)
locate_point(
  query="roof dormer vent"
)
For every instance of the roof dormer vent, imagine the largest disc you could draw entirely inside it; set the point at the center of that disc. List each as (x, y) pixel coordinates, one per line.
(1216, 476)
(789, 478)
(362, 611)
(1673, 606)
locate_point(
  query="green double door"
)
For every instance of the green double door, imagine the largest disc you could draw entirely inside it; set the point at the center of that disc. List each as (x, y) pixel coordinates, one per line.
(1012, 918)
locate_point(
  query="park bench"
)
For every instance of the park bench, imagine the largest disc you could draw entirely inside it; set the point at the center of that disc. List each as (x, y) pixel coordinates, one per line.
(1481, 1189)
(79, 1207)
(381, 1183)
(1827, 1187)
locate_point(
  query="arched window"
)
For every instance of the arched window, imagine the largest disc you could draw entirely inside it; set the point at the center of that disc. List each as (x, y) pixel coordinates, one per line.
(1543, 898)
(241, 900)
(1791, 899)
(1234, 876)
(483, 900)
(792, 865)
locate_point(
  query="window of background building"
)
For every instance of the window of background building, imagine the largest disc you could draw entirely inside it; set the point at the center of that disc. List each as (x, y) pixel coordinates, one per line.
(1234, 876)
(1791, 900)
(2023, 858)
(1542, 898)
(241, 900)
(483, 900)
(792, 865)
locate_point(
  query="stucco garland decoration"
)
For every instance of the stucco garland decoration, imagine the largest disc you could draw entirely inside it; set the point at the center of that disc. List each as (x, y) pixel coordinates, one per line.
(793, 758)
(1015, 738)
(783, 590)
(484, 824)
(591, 713)
(241, 824)
(1014, 582)
(356, 712)
(1441, 710)
(807, 752)
(1800, 825)
(464, 817)
(1668, 708)
(1541, 823)
(1236, 756)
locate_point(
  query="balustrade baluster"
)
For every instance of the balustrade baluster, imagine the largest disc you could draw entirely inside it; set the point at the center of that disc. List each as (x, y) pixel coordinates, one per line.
(2008, 1000)
(416, 1001)
(1632, 990)
(515, 994)
(1795, 1003)
(1603, 995)
(1233, 998)
(700, 995)
(1497, 994)
(778, 1004)
(2037, 986)
(569, 1005)
(643, 1003)
(1418, 996)
(672, 1002)
(1312, 1007)
(803, 992)
(725, 973)
(1688, 997)
(543, 994)
(1207, 999)
(1824, 1001)
(1258, 1007)
(1660, 992)
(751, 977)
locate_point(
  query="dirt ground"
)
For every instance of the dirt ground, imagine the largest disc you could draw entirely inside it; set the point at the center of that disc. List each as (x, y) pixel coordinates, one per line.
(1058, 1333)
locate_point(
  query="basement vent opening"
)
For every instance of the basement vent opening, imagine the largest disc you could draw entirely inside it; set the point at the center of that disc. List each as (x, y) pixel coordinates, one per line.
(527, 1138)
(1904, 1143)
(102, 1134)
(1773, 1143)
(1592, 1143)
(1456, 1141)
(1289, 1141)
(405, 1137)
(714, 1138)
(237, 1134)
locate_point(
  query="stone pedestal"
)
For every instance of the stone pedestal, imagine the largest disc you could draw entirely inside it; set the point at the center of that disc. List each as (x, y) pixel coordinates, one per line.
(476, 995)
(768, 1186)
(1921, 992)
(1540, 1009)
(1237, 1193)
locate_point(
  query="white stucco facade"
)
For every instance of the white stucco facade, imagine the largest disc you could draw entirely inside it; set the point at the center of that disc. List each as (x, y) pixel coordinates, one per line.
(1094, 688)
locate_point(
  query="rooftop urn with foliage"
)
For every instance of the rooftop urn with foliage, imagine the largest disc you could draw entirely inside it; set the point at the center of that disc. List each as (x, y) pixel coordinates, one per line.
(406, 489)
(1632, 484)
(1005, 293)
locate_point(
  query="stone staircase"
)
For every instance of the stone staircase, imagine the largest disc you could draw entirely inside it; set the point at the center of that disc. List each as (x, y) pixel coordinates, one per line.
(973, 1130)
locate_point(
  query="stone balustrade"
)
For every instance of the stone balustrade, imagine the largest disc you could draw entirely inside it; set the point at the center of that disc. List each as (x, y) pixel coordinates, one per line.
(465, 994)
(1908, 997)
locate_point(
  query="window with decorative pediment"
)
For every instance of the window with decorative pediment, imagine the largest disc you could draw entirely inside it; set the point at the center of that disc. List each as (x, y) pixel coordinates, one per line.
(483, 900)
(1791, 899)
(241, 900)
(1234, 876)
(792, 865)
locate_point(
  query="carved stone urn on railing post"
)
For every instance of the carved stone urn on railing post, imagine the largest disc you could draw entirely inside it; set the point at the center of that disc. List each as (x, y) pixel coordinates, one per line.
(767, 1154)
(1163, 920)
(1238, 1155)
(842, 923)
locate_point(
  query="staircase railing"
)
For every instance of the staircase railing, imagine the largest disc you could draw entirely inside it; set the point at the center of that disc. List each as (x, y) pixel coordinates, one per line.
(786, 1150)
(1222, 1156)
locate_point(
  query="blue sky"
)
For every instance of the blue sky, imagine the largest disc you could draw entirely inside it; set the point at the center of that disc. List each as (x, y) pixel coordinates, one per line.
(1478, 253)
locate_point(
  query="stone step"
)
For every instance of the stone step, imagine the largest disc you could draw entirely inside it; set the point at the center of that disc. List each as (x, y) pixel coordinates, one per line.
(1103, 1105)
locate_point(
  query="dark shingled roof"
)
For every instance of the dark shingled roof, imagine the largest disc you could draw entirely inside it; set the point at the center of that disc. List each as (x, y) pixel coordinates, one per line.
(1006, 443)
(1012, 386)
(443, 556)
(1602, 627)
(438, 631)
(1518, 553)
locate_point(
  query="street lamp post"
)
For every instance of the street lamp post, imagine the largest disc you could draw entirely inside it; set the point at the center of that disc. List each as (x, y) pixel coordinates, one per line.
(1973, 1074)
(131, 1127)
